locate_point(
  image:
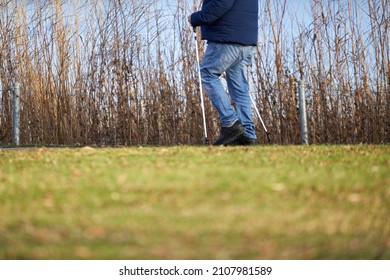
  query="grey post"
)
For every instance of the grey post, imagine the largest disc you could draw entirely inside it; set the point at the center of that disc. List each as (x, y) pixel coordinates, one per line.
(302, 112)
(16, 114)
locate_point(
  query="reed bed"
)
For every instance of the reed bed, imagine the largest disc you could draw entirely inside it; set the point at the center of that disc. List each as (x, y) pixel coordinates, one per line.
(97, 72)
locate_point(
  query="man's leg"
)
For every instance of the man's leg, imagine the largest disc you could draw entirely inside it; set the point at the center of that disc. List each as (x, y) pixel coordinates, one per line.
(216, 60)
(239, 91)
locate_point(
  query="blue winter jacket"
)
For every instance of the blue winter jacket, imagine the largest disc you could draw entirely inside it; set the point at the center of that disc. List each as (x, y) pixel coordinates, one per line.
(228, 21)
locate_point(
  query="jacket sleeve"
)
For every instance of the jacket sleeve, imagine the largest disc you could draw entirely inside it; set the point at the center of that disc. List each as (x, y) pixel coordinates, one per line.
(211, 12)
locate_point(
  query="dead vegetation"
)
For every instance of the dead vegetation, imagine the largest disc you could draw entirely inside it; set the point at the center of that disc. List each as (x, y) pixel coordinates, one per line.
(124, 72)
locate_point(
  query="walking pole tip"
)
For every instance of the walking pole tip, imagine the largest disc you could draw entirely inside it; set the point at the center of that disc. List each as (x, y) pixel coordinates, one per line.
(269, 138)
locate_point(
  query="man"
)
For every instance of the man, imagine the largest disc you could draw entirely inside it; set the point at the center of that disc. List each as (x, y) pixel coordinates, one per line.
(230, 28)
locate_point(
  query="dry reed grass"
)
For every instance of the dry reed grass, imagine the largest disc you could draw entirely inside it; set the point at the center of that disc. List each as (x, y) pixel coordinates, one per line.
(123, 72)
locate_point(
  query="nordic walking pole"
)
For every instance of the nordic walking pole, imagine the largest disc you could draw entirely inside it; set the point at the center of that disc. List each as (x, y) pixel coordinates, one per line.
(261, 120)
(206, 140)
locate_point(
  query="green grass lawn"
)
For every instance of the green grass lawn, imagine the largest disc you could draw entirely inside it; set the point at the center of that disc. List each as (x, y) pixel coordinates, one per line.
(263, 202)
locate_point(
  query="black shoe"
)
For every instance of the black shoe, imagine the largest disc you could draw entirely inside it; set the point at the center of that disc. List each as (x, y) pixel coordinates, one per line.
(243, 141)
(229, 134)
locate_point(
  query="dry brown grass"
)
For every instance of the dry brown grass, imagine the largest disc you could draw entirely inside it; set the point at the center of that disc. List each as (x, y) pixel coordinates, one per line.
(123, 72)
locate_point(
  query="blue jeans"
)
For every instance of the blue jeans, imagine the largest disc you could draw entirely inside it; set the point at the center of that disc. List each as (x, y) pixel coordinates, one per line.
(232, 59)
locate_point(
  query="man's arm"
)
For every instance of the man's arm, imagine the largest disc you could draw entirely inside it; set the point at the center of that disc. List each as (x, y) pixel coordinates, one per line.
(211, 12)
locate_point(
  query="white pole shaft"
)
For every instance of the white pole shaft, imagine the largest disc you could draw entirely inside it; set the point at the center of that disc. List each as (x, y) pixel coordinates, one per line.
(258, 113)
(200, 86)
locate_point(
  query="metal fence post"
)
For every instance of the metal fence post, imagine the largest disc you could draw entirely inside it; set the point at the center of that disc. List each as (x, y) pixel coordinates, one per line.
(302, 112)
(16, 114)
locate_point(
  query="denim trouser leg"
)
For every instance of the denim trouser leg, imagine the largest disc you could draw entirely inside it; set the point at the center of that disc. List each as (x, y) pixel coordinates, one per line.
(239, 92)
(232, 59)
(215, 62)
